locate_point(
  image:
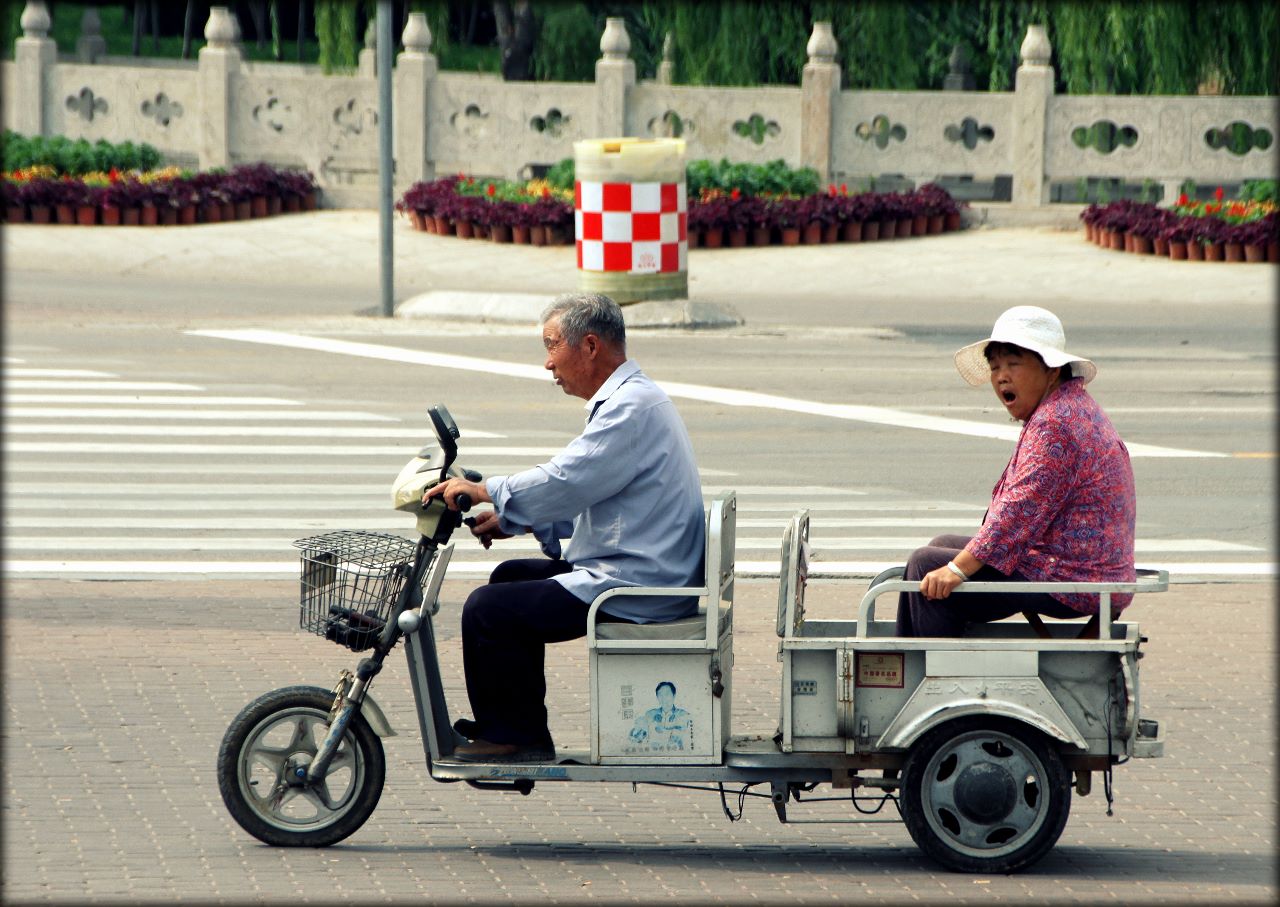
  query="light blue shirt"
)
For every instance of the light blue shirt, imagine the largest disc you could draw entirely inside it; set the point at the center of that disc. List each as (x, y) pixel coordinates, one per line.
(626, 493)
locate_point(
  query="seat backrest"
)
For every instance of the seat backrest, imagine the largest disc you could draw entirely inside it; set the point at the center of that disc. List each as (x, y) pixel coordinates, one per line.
(793, 573)
(722, 537)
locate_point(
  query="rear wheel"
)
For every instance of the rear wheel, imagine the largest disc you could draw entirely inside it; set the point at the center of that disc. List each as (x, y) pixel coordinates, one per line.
(262, 770)
(985, 795)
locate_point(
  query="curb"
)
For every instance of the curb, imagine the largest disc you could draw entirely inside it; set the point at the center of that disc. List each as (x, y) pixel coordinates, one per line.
(527, 308)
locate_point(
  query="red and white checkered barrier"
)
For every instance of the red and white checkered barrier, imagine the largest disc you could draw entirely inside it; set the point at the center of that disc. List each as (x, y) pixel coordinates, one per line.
(634, 228)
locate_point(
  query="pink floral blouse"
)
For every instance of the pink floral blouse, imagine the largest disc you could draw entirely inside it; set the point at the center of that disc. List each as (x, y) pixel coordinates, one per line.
(1064, 508)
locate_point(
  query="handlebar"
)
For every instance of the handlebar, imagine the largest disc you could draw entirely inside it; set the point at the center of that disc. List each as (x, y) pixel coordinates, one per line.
(463, 502)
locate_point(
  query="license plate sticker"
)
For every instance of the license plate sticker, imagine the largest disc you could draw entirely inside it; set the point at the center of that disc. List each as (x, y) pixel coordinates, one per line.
(880, 669)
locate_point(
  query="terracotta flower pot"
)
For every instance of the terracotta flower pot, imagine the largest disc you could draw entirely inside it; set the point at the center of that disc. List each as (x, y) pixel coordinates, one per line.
(830, 233)
(538, 235)
(228, 210)
(1088, 232)
(310, 201)
(1213, 251)
(713, 237)
(40, 214)
(500, 232)
(187, 215)
(851, 231)
(258, 206)
(936, 223)
(1117, 240)
(150, 216)
(66, 214)
(1233, 252)
(86, 215)
(737, 237)
(951, 221)
(1141, 245)
(1161, 246)
(244, 210)
(16, 214)
(417, 221)
(888, 229)
(1177, 250)
(919, 225)
(812, 233)
(1128, 242)
(1273, 248)
(905, 225)
(110, 216)
(761, 236)
(1255, 254)
(274, 205)
(790, 236)
(464, 229)
(292, 204)
(130, 217)
(211, 213)
(693, 237)
(480, 231)
(444, 226)
(871, 231)
(520, 234)
(1195, 251)
(168, 215)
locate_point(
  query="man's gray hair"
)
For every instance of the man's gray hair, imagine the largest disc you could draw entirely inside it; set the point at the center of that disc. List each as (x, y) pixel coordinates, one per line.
(581, 314)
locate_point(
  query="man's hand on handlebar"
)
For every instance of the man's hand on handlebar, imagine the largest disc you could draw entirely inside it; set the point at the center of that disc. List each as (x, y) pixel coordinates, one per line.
(485, 528)
(471, 493)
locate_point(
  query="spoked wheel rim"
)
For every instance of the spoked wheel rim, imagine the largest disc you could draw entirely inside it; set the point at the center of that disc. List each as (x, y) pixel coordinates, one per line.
(985, 794)
(280, 747)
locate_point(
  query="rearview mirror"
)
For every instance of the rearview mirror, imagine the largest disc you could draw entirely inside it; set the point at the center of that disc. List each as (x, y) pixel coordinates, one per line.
(446, 433)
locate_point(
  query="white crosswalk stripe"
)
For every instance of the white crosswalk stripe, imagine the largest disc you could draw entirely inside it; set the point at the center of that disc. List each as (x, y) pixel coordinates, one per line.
(97, 486)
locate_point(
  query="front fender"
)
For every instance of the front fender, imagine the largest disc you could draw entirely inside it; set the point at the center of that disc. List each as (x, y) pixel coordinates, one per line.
(936, 701)
(376, 718)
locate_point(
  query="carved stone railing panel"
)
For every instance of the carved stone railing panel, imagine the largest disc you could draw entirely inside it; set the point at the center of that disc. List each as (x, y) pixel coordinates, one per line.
(742, 124)
(484, 126)
(124, 103)
(1170, 138)
(922, 134)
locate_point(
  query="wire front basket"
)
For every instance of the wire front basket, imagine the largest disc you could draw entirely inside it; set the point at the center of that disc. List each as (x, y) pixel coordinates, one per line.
(350, 583)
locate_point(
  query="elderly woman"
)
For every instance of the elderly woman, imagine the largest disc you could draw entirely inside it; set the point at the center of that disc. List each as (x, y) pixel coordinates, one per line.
(1064, 507)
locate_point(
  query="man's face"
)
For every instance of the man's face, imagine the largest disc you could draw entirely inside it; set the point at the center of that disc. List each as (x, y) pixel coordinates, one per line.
(1020, 381)
(666, 698)
(569, 365)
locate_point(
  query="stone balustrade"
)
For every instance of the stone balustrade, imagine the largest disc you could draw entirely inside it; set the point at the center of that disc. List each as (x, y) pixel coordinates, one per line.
(222, 110)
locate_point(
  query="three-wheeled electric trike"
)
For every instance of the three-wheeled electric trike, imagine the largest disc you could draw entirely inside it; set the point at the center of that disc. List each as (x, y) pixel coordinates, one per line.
(978, 741)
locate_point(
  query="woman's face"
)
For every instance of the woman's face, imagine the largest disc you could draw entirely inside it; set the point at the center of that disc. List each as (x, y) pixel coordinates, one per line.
(1020, 380)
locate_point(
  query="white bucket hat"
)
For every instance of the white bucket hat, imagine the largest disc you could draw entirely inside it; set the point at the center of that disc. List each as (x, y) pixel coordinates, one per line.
(1031, 328)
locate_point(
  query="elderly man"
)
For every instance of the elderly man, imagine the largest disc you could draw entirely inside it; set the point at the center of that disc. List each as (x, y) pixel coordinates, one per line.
(627, 495)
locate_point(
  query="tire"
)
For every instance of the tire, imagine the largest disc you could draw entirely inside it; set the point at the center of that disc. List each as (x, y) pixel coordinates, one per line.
(280, 731)
(985, 795)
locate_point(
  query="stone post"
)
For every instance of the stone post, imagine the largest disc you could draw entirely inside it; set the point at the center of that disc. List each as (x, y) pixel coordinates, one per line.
(415, 73)
(368, 64)
(819, 89)
(1032, 91)
(960, 74)
(91, 44)
(666, 69)
(219, 63)
(34, 54)
(615, 76)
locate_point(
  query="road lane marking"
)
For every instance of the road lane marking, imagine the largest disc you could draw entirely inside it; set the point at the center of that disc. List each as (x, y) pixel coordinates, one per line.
(726, 396)
(55, 373)
(247, 415)
(71, 385)
(203, 451)
(151, 400)
(230, 431)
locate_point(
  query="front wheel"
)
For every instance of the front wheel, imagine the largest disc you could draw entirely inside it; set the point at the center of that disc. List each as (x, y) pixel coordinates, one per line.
(262, 770)
(985, 795)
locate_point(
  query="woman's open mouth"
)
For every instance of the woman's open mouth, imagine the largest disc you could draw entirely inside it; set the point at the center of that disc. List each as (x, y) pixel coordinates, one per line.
(1008, 396)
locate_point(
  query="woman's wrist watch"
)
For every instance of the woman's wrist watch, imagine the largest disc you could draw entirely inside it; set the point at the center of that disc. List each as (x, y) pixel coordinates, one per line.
(951, 565)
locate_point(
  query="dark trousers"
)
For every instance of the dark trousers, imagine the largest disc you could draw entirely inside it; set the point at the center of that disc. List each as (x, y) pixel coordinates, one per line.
(919, 616)
(505, 628)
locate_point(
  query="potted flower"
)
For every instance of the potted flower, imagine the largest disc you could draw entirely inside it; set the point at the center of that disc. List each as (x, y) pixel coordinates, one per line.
(64, 197)
(552, 220)
(37, 195)
(500, 217)
(786, 213)
(752, 212)
(1175, 235)
(15, 208)
(1207, 234)
(932, 203)
(710, 215)
(737, 219)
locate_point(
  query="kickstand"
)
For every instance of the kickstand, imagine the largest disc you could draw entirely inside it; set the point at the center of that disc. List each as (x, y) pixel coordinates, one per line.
(780, 791)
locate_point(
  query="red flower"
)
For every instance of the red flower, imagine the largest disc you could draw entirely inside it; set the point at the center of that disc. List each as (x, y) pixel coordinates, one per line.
(844, 188)
(1182, 200)
(489, 190)
(114, 175)
(1217, 193)
(546, 193)
(831, 189)
(735, 194)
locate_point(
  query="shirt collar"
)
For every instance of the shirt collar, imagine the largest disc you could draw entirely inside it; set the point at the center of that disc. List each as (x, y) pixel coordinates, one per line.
(611, 384)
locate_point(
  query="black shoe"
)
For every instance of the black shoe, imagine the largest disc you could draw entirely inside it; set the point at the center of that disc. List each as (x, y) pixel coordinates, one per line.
(467, 728)
(484, 751)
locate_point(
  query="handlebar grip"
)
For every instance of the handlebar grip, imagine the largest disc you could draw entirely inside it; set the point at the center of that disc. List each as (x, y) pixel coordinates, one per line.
(463, 500)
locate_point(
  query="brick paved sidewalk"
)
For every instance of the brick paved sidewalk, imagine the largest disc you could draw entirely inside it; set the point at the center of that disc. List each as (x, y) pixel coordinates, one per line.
(117, 695)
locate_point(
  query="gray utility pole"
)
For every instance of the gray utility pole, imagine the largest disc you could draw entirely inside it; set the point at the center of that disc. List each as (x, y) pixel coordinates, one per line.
(386, 165)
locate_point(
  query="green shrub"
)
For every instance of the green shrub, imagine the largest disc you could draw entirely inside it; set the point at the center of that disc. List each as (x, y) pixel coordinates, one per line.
(75, 157)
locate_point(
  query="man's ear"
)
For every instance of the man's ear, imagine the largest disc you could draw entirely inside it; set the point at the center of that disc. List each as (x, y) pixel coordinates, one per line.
(591, 345)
